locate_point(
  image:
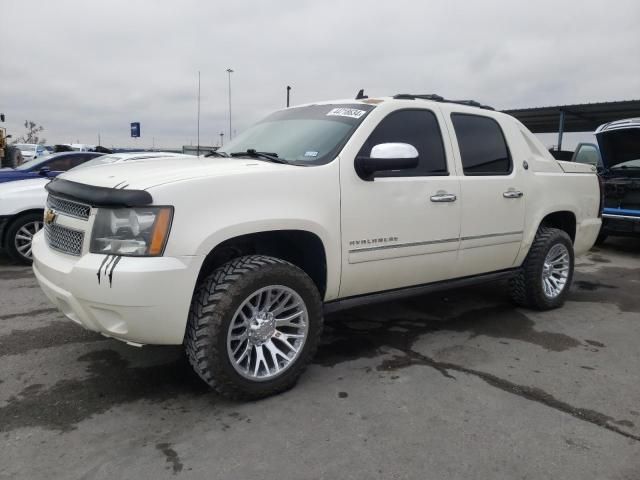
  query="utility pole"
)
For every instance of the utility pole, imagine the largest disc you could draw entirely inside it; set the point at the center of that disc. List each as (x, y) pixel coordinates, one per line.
(230, 71)
(288, 90)
(198, 146)
(99, 139)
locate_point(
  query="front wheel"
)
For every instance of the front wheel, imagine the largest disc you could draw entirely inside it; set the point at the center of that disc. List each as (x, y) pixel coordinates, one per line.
(254, 325)
(544, 279)
(20, 235)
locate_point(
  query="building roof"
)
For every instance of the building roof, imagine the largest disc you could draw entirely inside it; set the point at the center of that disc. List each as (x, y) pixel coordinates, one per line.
(585, 117)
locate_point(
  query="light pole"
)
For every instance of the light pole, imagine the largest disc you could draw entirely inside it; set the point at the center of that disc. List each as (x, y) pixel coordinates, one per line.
(198, 146)
(230, 71)
(221, 139)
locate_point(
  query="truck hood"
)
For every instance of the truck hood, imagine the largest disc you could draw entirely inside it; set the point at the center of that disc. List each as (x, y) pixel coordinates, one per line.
(619, 146)
(145, 174)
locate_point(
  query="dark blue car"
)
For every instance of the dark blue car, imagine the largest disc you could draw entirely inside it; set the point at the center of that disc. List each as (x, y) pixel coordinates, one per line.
(49, 166)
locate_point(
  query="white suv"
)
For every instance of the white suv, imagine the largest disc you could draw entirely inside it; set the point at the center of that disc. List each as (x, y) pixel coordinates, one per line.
(316, 208)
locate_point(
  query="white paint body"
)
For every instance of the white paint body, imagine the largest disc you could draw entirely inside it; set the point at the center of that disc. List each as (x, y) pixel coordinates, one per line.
(217, 199)
(22, 196)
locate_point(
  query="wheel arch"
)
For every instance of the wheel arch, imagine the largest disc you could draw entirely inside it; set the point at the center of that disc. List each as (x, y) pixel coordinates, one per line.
(13, 219)
(564, 220)
(302, 248)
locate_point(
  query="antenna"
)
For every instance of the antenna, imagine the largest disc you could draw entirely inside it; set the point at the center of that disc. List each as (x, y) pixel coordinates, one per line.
(361, 95)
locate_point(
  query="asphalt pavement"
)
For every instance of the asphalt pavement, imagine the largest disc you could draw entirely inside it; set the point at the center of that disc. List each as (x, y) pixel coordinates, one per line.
(455, 385)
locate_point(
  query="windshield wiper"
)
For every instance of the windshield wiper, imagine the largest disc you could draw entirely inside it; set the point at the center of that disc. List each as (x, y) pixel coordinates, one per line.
(272, 157)
(214, 153)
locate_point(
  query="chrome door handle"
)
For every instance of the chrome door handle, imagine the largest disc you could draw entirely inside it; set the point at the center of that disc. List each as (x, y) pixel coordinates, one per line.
(512, 194)
(443, 197)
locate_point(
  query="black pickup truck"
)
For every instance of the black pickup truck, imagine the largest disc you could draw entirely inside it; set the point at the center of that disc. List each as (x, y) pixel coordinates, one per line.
(617, 157)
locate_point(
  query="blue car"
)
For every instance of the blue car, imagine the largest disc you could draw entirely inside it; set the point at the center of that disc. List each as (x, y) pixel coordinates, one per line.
(49, 166)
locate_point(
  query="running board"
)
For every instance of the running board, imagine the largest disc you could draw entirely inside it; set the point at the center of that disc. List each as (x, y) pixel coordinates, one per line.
(400, 293)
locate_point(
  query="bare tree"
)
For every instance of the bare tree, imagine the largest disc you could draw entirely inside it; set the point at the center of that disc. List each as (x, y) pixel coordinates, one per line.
(32, 133)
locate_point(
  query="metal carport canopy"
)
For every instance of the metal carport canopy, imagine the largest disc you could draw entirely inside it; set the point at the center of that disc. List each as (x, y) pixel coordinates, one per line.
(584, 117)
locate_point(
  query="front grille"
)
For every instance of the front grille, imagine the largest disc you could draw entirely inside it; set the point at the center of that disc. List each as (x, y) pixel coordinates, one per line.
(67, 207)
(63, 239)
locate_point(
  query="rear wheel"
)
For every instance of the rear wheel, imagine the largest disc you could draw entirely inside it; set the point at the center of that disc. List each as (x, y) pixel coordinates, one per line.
(545, 277)
(20, 235)
(254, 325)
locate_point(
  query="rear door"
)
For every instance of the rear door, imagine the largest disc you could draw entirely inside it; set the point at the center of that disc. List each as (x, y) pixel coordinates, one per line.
(401, 228)
(493, 195)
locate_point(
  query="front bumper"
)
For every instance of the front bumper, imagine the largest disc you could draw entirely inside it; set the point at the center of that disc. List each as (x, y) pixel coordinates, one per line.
(144, 301)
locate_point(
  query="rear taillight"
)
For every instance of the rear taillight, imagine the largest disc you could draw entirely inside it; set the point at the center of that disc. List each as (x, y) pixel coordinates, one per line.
(601, 186)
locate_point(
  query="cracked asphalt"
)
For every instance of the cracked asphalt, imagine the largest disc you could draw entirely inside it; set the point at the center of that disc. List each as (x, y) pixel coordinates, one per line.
(455, 385)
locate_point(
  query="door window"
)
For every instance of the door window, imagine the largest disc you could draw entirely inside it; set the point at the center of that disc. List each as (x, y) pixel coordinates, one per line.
(588, 154)
(483, 148)
(60, 164)
(418, 128)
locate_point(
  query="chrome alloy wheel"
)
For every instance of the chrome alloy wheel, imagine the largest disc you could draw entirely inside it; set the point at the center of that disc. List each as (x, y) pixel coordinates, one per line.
(24, 237)
(267, 333)
(555, 270)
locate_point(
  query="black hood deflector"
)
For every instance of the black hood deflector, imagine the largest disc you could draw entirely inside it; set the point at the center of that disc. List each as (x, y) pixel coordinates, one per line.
(98, 196)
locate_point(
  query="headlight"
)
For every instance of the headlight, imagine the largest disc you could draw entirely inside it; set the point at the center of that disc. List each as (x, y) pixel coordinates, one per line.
(138, 232)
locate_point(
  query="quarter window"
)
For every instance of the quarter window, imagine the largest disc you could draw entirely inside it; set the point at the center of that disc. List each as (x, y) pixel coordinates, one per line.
(482, 145)
(418, 128)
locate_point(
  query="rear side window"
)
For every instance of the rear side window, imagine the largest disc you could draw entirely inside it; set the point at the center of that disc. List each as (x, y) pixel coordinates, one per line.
(418, 128)
(79, 160)
(64, 162)
(482, 145)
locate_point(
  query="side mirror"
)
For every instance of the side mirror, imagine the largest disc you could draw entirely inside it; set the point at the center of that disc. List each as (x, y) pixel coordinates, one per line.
(387, 157)
(44, 171)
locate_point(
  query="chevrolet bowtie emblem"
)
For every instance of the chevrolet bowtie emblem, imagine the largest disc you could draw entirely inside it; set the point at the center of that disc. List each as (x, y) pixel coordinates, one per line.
(50, 216)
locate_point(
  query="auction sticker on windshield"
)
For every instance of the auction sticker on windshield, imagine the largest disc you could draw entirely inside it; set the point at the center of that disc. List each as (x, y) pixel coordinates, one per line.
(346, 112)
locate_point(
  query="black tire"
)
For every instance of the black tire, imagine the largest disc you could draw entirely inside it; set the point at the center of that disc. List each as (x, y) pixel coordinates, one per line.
(526, 287)
(12, 232)
(215, 301)
(13, 157)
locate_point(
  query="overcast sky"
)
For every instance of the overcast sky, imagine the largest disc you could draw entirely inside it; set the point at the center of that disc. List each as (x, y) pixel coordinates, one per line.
(83, 67)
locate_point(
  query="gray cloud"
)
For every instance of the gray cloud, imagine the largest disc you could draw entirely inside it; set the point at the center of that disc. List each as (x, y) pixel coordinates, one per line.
(80, 68)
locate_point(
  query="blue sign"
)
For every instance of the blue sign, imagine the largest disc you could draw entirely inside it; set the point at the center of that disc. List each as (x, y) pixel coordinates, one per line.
(135, 129)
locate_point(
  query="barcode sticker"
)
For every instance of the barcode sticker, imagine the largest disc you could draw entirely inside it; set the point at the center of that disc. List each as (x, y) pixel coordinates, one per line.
(346, 112)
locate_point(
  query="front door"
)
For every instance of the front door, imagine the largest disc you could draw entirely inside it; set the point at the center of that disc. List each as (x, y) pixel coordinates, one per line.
(402, 228)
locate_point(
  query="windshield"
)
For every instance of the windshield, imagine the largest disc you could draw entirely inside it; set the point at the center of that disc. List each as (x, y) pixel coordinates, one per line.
(635, 164)
(99, 161)
(307, 135)
(32, 163)
(25, 147)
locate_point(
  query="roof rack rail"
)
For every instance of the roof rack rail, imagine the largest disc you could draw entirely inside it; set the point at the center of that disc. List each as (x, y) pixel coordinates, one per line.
(438, 98)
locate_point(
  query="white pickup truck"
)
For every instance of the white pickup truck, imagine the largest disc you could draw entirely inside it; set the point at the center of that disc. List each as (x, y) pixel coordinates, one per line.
(314, 209)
